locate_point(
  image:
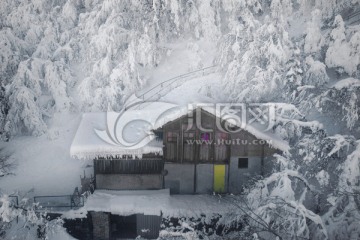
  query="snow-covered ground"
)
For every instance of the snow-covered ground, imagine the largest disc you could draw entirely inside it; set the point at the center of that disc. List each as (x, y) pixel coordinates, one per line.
(43, 164)
(155, 202)
(19, 230)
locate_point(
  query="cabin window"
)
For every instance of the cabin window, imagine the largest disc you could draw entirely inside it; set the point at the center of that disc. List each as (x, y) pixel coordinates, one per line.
(172, 136)
(189, 135)
(205, 136)
(243, 163)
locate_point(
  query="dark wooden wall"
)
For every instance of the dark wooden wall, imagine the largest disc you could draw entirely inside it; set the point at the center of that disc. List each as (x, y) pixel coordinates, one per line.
(133, 166)
(176, 149)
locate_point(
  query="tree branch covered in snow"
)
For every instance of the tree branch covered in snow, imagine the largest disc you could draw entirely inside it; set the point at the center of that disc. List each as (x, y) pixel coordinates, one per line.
(23, 222)
(6, 164)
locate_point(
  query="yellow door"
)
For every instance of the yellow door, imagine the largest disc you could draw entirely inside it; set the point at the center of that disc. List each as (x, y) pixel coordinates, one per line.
(219, 178)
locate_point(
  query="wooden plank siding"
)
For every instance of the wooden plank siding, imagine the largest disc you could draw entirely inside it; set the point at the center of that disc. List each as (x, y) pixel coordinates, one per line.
(133, 166)
(180, 151)
(176, 149)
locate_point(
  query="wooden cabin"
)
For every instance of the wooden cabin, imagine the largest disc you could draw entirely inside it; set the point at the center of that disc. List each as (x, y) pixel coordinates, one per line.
(188, 158)
(198, 161)
(189, 155)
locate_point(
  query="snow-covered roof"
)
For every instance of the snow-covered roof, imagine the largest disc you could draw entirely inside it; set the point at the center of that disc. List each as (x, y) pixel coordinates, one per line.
(111, 134)
(273, 139)
(130, 132)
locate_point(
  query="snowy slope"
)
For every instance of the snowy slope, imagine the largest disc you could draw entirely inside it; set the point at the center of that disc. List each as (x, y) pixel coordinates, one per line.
(43, 164)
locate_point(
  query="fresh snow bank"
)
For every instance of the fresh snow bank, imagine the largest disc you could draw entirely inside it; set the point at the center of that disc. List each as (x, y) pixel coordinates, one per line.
(154, 202)
(24, 230)
(149, 202)
(60, 234)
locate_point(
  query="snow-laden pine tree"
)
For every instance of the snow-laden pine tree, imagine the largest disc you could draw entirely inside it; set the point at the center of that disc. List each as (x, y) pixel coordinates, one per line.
(311, 86)
(277, 208)
(3, 112)
(101, 50)
(343, 54)
(38, 89)
(294, 74)
(314, 40)
(24, 222)
(343, 215)
(257, 51)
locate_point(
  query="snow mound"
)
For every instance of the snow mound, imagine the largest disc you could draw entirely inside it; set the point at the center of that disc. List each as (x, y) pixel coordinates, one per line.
(154, 202)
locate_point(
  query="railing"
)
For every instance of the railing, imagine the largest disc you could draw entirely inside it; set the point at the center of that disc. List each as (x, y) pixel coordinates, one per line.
(161, 89)
(154, 91)
(53, 203)
(58, 203)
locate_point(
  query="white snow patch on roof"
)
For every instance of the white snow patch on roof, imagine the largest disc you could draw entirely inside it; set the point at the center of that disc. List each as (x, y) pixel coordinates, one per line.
(98, 133)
